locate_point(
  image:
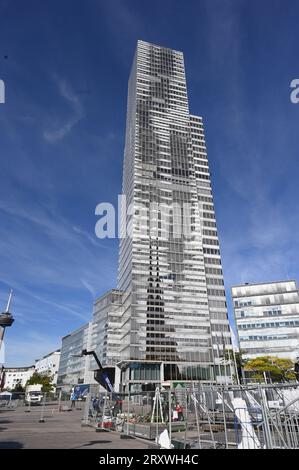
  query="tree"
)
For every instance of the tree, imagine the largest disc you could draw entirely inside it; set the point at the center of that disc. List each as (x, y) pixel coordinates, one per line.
(44, 379)
(279, 370)
(18, 388)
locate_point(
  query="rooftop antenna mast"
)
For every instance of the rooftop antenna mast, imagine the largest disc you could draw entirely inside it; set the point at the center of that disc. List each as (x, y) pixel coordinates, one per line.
(9, 301)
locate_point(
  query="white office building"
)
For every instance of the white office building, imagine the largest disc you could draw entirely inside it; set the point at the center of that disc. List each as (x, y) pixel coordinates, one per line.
(49, 364)
(267, 319)
(17, 376)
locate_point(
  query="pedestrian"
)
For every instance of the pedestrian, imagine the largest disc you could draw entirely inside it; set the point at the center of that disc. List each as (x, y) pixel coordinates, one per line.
(120, 405)
(73, 400)
(179, 410)
(117, 408)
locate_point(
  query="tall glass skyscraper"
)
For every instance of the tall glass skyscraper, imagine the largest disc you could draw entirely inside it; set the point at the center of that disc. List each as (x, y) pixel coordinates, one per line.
(174, 317)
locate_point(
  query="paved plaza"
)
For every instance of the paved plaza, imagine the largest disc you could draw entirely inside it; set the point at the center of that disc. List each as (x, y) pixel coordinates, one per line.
(20, 429)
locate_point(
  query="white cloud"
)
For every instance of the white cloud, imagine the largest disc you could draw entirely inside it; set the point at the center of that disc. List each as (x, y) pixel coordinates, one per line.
(54, 135)
(86, 235)
(51, 256)
(89, 287)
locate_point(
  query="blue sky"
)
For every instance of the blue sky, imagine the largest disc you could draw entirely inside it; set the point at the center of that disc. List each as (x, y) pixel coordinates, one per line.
(62, 136)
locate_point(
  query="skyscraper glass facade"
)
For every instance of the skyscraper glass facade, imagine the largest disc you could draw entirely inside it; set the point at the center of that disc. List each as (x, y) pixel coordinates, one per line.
(170, 267)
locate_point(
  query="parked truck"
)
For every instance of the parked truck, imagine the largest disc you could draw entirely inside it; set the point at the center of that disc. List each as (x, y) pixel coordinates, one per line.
(33, 394)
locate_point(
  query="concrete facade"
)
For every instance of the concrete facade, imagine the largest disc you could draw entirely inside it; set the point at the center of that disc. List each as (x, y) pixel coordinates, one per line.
(49, 364)
(17, 375)
(267, 319)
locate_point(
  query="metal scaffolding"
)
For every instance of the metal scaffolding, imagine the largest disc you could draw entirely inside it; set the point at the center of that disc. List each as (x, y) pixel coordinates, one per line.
(196, 415)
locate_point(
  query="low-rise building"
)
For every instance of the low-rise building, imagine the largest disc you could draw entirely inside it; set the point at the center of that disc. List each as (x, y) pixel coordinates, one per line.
(14, 376)
(49, 364)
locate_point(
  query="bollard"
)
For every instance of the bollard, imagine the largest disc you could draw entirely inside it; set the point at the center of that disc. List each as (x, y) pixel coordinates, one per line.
(59, 400)
(42, 413)
(28, 409)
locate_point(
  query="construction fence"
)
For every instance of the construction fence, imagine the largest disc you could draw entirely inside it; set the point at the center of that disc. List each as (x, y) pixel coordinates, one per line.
(48, 402)
(202, 416)
(183, 414)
